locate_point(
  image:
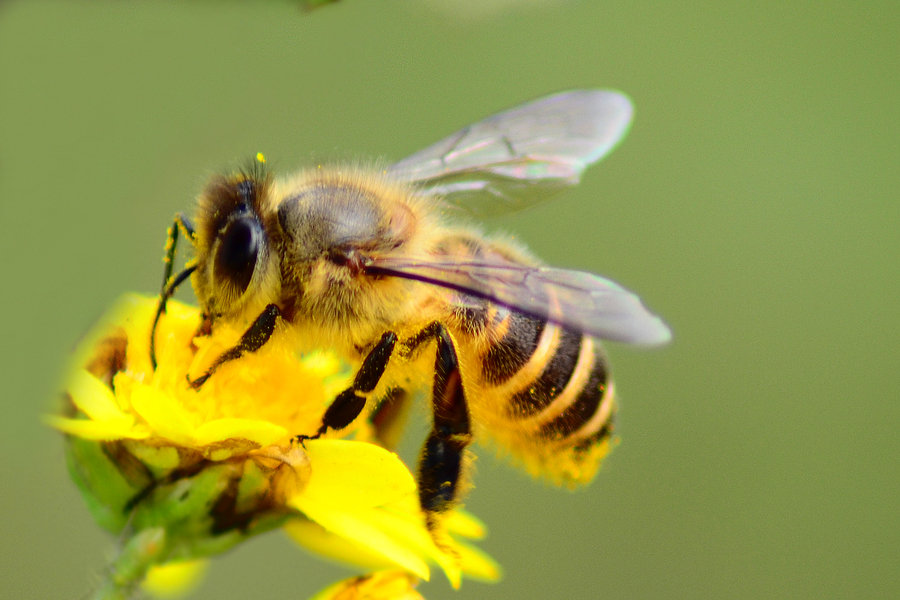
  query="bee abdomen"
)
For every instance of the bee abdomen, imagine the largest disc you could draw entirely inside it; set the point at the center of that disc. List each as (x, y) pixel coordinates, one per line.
(513, 350)
(571, 399)
(604, 432)
(582, 410)
(554, 378)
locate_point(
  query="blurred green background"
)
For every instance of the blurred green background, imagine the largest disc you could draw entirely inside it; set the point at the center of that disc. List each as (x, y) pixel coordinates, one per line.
(754, 205)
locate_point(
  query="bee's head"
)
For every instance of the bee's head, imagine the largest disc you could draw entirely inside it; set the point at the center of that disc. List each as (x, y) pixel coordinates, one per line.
(234, 256)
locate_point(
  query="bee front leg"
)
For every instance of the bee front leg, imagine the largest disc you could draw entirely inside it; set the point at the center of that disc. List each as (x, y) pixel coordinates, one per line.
(253, 339)
(441, 463)
(350, 403)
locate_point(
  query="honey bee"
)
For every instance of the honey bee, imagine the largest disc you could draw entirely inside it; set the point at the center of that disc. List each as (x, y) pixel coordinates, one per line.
(367, 263)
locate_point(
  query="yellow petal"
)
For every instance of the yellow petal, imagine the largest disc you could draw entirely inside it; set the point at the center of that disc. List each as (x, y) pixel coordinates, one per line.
(357, 526)
(408, 529)
(318, 540)
(175, 579)
(93, 397)
(465, 524)
(262, 432)
(355, 474)
(164, 415)
(477, 564)
(109, 429)
(384, 585)
(468, 560)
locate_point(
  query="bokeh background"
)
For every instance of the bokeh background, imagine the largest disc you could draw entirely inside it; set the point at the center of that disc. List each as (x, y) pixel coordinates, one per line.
(754, 205)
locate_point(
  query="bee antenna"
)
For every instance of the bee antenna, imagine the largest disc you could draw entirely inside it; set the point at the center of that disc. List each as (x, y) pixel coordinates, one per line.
(256, 169)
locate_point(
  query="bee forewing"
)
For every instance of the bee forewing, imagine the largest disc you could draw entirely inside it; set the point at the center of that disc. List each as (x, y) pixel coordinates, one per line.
(520, 156)
(578, 300)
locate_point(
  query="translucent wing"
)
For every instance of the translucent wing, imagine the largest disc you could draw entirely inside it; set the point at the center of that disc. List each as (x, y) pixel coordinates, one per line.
(520, 156)
(589, 303)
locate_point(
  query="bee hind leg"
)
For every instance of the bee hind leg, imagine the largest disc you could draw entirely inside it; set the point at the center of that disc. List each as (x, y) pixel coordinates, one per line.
(441, 461)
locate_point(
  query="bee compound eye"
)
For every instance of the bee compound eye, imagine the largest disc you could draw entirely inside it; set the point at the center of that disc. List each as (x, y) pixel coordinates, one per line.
(238, 252)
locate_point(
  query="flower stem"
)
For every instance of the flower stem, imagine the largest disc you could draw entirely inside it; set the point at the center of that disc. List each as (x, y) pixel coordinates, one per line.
(137, 555)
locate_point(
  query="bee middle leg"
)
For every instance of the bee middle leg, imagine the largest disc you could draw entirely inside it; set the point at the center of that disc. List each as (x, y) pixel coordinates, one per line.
(350, 403)
(441, 462)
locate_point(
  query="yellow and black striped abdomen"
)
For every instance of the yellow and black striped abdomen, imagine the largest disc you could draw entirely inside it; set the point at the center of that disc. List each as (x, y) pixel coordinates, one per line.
(545, 394)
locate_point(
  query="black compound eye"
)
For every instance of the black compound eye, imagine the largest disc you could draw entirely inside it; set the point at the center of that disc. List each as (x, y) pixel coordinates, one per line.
(238, 252)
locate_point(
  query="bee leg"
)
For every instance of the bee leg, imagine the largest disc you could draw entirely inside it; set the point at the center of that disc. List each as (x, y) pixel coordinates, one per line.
(349, 403)
(441, 463)
(169, 285)
(253, 339)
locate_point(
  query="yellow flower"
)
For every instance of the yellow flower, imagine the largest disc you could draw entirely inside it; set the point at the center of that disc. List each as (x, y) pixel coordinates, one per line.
(382, 585)
(175, 579)
(187, 473)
